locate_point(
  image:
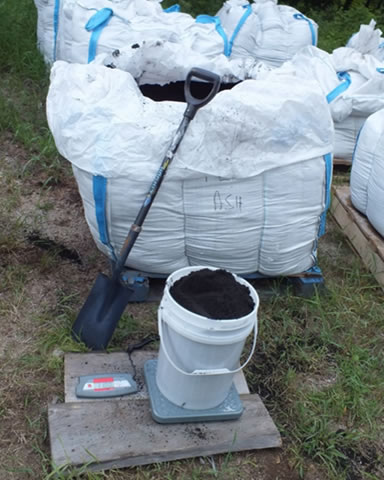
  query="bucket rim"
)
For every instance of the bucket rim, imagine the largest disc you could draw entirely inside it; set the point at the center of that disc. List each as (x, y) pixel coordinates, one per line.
(225, 323)
(196, 333)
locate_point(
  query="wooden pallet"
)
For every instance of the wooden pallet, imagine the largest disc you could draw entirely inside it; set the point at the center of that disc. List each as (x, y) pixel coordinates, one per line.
(115, 433)
(305, 284)
(368, 243)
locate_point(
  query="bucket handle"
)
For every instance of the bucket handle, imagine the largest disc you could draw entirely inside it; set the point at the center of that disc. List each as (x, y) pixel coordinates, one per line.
(217, 371)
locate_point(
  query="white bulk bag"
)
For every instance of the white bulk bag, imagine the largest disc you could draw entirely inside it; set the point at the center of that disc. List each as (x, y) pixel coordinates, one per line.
(204, 36)
(47, 24)
(91, 96)
(352, 82)
(368, 40)
(247, 189)
(376, 192)
(312, 63)
(256, 126)
(346, 133)
(365, 95)
(367, 176)
(55, 22)
(160, 247)
(366, 91)
(64, 31)
(91, 27)
(266, 31)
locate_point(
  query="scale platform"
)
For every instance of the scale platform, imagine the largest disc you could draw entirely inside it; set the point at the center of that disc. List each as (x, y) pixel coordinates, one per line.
(164, 411)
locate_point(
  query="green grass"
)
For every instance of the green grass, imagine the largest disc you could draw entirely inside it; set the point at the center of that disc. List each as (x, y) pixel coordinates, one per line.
(318, 364)
(337, 26)
(24, 84)
(319, 369)
(196, 7)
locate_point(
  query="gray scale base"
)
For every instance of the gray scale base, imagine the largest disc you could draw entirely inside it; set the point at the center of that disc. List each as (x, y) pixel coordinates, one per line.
(164, 411)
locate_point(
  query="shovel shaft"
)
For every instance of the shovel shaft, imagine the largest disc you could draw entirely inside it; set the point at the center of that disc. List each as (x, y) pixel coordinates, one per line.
(150, 196)
(193, 104)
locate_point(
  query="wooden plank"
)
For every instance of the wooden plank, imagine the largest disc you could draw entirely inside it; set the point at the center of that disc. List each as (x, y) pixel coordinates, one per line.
(363, 237)
(77, 364)
(116, 434)
(376, 241)
(342, 161)
(241, 383)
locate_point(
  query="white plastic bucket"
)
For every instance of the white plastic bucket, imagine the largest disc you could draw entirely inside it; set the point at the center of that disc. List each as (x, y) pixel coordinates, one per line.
(198, 355)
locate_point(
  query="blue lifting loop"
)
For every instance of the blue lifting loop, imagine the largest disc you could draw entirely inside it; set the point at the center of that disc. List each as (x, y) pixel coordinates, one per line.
(346, 82)
(300, 16)
(96, 25)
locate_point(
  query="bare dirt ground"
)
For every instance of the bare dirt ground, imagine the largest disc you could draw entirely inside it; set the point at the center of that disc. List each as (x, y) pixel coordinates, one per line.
(48, 262)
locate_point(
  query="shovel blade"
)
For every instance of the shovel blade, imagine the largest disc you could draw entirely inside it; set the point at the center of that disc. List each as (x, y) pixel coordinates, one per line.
(101, 313)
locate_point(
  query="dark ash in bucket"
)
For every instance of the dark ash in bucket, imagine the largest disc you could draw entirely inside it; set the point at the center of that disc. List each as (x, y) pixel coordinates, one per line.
(213, 294)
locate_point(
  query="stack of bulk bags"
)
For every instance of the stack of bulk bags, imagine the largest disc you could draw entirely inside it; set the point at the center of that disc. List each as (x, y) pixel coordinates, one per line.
(365, 95)
(353, 84)
(367, 176)
(248, 187)
(77, 30)
(72, 29)
(54, 24)
(266, 31)
(91, 27)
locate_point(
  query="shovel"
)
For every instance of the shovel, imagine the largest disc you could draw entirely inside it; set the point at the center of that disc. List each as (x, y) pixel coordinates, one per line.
(108, 298)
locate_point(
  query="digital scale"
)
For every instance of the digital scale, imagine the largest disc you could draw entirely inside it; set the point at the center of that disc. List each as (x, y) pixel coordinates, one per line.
(108, 385)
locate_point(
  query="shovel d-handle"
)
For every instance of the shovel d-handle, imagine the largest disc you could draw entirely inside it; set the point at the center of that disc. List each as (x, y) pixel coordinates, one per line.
(195, 103)
(201, 372)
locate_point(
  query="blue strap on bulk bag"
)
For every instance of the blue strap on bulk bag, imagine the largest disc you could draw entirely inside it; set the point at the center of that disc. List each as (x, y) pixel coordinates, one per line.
(219, 29)
(346, 82)
(315, 271)
(172, 8)
(228, 44)
(300, 16)
(96, 24)
(323, 217)
(100, 199)
(56, 12)
(380, 69)
(328, 178)
(246, 14)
